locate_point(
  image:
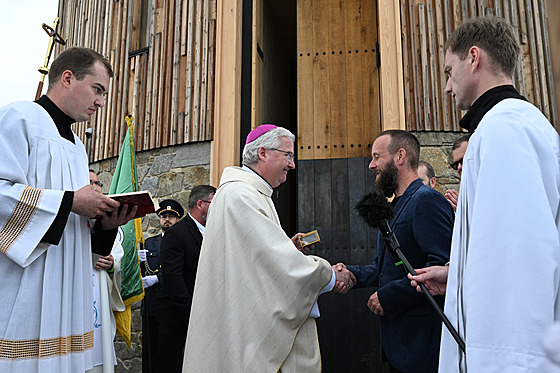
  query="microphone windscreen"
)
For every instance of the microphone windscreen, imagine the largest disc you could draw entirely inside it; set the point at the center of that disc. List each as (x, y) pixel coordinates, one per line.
(374, 208)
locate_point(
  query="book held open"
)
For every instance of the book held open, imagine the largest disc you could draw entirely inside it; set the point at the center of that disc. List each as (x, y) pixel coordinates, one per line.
(142, 199)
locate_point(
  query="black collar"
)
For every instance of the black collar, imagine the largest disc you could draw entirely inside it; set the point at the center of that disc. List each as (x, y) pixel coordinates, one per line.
(485, 102)
(62, 121)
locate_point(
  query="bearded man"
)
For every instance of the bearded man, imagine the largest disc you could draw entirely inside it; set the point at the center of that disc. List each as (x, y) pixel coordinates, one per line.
(423, 221)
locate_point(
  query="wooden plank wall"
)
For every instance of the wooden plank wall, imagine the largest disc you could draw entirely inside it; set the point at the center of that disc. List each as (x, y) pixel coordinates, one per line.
(337, 78)
(168, 87)
(328, 190)
(425, 27)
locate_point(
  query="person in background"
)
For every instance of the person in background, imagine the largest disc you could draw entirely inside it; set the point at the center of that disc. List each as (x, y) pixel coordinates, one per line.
(169, 212)
(179, 251)
(458, 150)
(427, 174)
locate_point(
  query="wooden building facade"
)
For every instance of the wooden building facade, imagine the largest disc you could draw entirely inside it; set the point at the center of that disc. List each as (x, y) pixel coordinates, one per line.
(334, 72)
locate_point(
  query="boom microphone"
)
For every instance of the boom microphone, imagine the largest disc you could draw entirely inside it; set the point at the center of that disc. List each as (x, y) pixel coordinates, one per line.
(375, 210)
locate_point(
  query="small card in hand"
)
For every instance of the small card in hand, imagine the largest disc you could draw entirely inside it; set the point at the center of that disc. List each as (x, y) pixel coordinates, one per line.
(309, 238)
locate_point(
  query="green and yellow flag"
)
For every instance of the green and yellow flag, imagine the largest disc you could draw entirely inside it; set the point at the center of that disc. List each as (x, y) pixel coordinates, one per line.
(124, 181)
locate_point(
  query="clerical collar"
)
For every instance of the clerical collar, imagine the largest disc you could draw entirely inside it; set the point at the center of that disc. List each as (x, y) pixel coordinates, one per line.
(251, 171)
(62, 121)
(485, 102)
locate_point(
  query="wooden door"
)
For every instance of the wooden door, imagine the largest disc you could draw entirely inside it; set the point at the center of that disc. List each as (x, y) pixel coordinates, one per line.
(338, 119)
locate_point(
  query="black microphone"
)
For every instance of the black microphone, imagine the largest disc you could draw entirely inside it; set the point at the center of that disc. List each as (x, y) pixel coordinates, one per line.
(375, 210)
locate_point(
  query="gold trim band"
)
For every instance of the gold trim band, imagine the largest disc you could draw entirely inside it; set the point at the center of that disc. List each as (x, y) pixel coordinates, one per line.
(40, 348)
(20, 217)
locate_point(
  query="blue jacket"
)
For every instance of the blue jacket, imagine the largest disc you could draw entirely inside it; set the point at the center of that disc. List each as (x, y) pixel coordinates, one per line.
(411, 330)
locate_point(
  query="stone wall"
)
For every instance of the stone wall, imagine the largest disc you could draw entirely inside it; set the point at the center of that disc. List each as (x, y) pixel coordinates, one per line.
(167, 173)
(435, 148)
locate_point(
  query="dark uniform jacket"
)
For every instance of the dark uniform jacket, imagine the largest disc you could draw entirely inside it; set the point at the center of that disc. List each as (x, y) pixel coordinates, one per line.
(152, 244)
(180, 249)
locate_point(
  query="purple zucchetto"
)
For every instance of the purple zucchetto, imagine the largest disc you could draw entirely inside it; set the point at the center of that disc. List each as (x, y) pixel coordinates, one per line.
(259, 131)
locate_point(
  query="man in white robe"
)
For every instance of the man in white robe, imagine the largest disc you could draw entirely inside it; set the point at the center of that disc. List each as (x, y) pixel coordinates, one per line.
(46, 238)
(106, 299)
(255, 294)
(503, 288)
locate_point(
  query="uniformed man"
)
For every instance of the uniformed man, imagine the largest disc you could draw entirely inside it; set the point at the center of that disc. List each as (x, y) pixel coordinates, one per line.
(170, 212)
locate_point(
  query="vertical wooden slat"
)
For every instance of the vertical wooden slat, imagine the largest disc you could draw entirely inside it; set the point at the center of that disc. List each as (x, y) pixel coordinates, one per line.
(305, 79)
(540, 23)
(370, 89)
(321, 79)
(435, 94)
(424, 65)
(210, 90)
(196, 72)
(202, 135)
(175, 76)
(190, 65)
(338, 65)
(167, 74)
(552, 113)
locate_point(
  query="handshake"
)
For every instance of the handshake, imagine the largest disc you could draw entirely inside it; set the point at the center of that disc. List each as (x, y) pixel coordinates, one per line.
(345, 279)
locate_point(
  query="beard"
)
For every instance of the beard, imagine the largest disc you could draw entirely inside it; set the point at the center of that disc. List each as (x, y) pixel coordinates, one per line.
(386, 181)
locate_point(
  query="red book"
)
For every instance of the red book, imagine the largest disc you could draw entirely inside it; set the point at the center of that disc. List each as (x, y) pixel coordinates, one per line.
(142, 199)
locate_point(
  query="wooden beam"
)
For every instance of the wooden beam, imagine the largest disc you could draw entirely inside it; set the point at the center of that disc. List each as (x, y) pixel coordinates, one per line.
(552, 10)
(391, 70)
(225, 149)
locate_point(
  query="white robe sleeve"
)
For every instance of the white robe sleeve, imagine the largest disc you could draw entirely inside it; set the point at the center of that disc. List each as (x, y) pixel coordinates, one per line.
(26, 213)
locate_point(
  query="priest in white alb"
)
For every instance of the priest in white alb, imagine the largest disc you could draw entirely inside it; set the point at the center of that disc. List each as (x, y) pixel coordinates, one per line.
(254, 304)
(46, 238)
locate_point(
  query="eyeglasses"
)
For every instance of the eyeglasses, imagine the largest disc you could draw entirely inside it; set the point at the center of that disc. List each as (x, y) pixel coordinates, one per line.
(289, 155)
(455, 165)
(98, 183)
(203, 200)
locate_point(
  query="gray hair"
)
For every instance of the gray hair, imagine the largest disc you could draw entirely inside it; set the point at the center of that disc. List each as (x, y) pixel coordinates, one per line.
(270, 140)
(200, 192)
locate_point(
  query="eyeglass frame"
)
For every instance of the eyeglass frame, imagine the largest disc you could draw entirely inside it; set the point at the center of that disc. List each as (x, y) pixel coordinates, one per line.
(291, 157)
(98, 183)
(455, 165)
(203, 200)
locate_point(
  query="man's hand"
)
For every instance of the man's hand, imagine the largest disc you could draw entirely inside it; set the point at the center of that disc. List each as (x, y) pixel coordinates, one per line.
(105, 262)
(434, 278)
(345, 279)
(298, 246)
(452, 196)
(374, 305)
(90, 202)
(118, 217)
(142, 255)
(149, 281)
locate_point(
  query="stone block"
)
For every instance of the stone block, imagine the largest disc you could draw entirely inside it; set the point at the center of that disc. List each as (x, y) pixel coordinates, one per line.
(150, 184)
(161, 164)
(192, 155)
(170, 183)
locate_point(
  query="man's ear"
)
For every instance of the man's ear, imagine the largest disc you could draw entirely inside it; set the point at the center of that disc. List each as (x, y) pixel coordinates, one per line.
(433, 182)
(400, 157)
(262, 153)
(66, 78)
(474, 57)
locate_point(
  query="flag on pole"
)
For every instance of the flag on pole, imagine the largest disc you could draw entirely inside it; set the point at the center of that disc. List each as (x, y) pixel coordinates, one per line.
(125, 181)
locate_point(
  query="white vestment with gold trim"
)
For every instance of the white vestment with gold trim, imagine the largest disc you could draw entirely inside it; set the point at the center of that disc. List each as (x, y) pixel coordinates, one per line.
(254, 290)
(46, 292)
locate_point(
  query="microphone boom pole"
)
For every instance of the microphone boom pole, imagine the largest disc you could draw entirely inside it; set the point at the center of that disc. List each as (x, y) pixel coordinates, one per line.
(394, 248)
